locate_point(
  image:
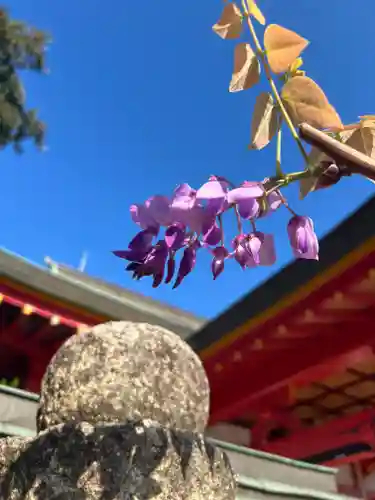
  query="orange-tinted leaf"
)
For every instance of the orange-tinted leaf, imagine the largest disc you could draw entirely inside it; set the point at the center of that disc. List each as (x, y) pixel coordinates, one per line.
(229, 25)
(255, 11)
(307, 186)
(246, 70)
(306, 102)
(283, 47)
(367, 118)
(363, 139)
(264, 122)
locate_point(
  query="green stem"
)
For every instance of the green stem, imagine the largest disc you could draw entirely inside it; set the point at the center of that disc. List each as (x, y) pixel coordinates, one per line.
(297, 176)
(275, 92)
(279, 172)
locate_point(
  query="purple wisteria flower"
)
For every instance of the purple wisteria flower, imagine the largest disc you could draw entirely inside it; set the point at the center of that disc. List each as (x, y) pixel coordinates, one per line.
(254, 249)
(192, 219)
(302, 237)
(247, 199)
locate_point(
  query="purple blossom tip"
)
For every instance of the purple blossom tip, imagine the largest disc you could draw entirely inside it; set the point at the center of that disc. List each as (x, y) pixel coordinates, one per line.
(217, 266)
(302, 237)
(212, 235)
(175, 236)
(187, 263)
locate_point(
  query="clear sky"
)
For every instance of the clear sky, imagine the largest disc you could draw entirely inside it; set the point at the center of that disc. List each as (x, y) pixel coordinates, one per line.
(137, 102)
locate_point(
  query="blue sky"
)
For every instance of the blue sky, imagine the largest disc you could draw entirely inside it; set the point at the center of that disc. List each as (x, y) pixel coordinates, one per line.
(137, 102)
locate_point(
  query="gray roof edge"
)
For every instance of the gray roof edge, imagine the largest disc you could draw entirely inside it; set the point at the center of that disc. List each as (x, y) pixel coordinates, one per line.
(18, 268)
(19, 393)
(282, 489)
(273, 458)
(96, 284)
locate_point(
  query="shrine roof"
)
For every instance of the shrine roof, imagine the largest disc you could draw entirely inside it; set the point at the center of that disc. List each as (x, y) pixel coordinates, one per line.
(86, 296)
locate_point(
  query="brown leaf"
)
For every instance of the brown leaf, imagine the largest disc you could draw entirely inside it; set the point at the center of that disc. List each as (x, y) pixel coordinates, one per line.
(264, 122)
(283, 46)
(327, 176)
(306, 102)
(229, 25)
(363, 139)
(365, 118)
(246, 70)
(307, 186)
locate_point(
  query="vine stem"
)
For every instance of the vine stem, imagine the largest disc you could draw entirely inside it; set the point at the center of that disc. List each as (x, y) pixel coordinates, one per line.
(275, 92)
(286, 205)
(279, 172)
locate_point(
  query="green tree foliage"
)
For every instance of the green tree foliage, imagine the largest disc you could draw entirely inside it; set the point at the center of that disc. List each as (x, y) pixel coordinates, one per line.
(21, 47)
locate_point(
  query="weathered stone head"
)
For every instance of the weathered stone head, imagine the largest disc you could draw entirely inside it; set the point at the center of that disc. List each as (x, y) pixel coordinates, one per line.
(121, 370)
(122, 410)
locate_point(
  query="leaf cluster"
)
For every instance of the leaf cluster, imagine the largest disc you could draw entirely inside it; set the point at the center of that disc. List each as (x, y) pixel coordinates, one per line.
(21, 47)
(304, 100)
(296, 99)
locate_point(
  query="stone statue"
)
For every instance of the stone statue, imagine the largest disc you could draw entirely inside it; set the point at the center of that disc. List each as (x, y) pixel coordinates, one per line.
(122, 411)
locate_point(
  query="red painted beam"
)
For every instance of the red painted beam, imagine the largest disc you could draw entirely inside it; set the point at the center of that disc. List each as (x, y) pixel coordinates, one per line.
(49, 304)
(45, 313)
(335, 434)
(248, 382)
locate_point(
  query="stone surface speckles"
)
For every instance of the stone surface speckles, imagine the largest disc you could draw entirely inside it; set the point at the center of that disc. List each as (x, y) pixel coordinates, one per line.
(122, 410)
(122, 370)
(133, 461)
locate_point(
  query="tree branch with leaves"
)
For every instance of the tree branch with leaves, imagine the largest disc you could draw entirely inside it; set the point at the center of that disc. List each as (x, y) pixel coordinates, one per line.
(21, 47)
(193, 218)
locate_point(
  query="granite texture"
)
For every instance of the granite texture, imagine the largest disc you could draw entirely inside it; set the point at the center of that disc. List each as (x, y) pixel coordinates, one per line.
(122, 411)
(122, 370)
(137, 460)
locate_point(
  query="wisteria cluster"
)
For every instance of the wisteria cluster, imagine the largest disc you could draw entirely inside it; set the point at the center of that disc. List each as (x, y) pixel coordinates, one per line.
(193, 220)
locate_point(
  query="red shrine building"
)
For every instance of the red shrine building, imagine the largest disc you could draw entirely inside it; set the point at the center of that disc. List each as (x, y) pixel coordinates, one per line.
(291, 365)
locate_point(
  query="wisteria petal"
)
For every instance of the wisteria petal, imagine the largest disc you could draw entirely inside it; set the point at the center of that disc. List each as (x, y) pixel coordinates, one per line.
(153, 264)
(175, 236)
(303, 240)
(240, 253)
(181, 209)
(253, 245)
(171, 267)
(217, 266)
(248, 209)
(274, 201)
(213, 194)
(253, 190)
(184, 190)
(199, 219)
(131, 255)
(141, 216)
(211, 190)
(159, 209)
(213, 235)
(142, 240)
(267, 252)
(187, 264)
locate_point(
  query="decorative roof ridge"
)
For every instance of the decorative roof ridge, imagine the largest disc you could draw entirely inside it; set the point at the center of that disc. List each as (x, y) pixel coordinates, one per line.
(97, 284)
(21, 269)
